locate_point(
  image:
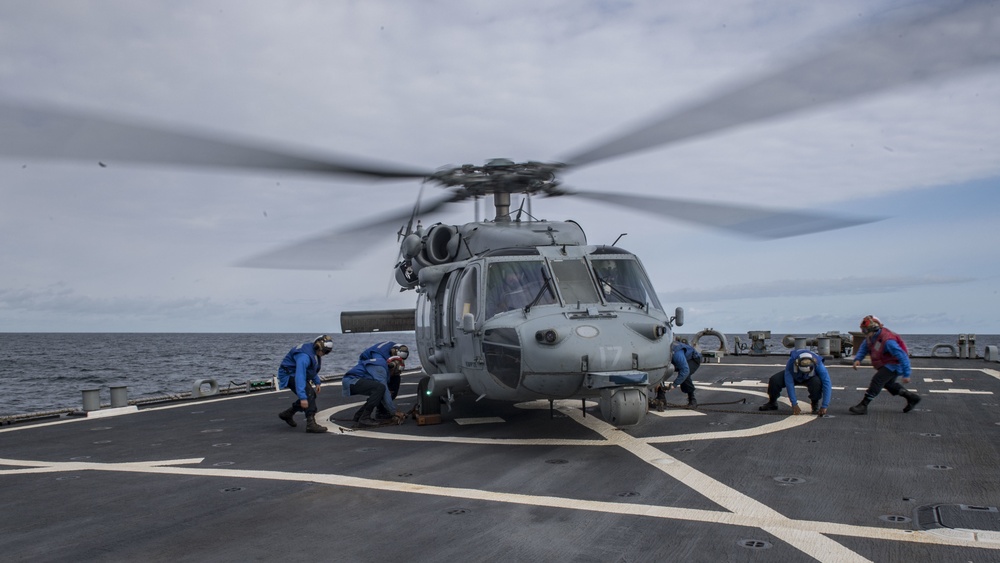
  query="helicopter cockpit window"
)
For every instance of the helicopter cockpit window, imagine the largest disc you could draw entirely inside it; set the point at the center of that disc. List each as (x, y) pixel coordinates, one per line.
(575, 283)
(467, 295)
(514, 285)
(623, 281)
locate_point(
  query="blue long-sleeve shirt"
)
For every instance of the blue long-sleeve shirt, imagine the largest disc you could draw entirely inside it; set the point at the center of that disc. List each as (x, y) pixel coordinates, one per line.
(303, 364)
(372, 364)
(793, 376)
(680, 356)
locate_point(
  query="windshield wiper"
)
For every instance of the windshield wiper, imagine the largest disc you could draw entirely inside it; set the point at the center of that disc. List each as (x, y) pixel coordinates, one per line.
(541, 290)
(603, 282)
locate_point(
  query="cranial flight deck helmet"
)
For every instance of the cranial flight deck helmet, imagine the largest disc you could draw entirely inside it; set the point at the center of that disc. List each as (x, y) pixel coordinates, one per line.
(324, 343)
(402, 351)
(805, 363)
(870, 324)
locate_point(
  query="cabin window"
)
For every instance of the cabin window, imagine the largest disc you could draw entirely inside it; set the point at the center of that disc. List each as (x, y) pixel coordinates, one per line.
(624, 281)
(515, 285)
(574, 281)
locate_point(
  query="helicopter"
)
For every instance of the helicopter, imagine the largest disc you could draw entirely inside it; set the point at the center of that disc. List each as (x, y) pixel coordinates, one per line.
(515, 308)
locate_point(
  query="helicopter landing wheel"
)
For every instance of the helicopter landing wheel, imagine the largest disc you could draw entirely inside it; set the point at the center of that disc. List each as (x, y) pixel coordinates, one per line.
(426, 405)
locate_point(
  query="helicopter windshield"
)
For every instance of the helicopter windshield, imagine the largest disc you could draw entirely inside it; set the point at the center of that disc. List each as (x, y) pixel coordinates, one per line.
(514, 285)
(574, 281)
(622, 281)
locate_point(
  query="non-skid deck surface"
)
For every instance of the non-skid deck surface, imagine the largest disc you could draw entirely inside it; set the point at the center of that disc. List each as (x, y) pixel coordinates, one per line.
(223, 479)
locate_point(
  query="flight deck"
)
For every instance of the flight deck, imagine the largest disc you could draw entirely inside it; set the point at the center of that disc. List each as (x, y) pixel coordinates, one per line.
(224, 479)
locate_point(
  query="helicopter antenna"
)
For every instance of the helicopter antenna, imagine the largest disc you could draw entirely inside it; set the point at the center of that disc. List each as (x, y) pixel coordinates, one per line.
(618, 239)
(520, 210)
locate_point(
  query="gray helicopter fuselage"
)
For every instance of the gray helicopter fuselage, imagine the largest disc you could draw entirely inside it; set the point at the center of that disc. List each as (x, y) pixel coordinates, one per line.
(524, 311)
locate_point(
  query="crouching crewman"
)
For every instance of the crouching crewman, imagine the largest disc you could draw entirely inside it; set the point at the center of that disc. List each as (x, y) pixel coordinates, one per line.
(803, 368)
(371, 377)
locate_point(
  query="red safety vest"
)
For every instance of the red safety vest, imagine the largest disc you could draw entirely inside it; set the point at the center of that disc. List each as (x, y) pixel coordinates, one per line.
(876, 348)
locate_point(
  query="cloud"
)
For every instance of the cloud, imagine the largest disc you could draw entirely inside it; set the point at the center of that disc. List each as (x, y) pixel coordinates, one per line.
(125, 247)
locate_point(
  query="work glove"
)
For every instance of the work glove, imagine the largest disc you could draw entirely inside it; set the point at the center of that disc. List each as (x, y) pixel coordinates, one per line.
(822, 412)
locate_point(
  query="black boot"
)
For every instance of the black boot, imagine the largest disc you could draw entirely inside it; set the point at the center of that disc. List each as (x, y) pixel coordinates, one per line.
(911, 400)
(288, 416)
(312, 426)
(815, 407)
(862, 407)
(768, 406)
(692, 402)
(366, 418)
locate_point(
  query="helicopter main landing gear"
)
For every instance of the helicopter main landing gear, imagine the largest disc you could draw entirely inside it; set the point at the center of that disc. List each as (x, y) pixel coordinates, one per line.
(428, 408)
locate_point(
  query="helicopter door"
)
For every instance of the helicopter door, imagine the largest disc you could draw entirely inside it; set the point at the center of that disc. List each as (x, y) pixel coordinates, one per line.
(468, 315)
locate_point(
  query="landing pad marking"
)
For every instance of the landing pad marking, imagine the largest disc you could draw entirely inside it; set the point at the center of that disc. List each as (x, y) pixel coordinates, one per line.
(479, 420)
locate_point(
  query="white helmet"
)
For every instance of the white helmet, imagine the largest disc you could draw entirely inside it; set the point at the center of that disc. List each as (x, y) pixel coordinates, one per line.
(805, 363)
(324, 343)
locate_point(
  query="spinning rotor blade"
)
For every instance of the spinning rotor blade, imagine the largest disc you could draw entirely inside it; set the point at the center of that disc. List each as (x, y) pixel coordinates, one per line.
(750, 221)
(334, 250)
(31, 131)
(959, 35)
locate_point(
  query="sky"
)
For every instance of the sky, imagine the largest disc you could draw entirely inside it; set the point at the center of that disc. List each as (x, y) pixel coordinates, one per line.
(121, 247)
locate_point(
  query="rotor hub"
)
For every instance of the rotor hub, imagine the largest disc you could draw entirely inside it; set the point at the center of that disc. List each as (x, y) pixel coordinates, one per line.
(501, 176)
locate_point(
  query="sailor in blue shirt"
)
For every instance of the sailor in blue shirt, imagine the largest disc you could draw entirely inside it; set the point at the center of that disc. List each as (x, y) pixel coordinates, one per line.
(299, 373)
(686, 360)
(370, 376)
(803, 368)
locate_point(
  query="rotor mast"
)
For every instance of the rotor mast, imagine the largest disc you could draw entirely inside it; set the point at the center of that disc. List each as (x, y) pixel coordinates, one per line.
(501, 202)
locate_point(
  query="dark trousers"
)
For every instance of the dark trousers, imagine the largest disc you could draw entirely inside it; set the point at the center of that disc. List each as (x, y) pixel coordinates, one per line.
(394, 382)
(777, 383)
(693, 366)
(884, 378)
(373, 389)
(687, 386)
(310, 395)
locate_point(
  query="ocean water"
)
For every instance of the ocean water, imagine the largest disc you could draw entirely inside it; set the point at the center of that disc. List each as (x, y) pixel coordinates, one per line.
(46, 372)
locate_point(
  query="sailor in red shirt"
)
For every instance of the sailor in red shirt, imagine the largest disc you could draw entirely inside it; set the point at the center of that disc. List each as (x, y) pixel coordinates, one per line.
(890, 358)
